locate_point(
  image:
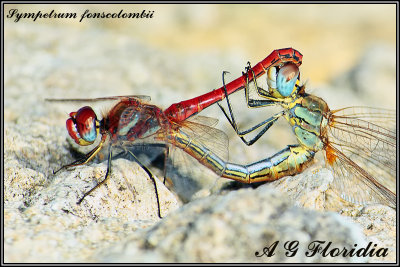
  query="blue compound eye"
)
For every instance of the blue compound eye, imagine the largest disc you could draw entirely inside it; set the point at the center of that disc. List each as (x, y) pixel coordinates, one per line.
(286, 79)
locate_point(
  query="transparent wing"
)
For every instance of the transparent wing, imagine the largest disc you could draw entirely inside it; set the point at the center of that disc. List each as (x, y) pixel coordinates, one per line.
(141, 97)
(188, 175)
(364, 154)
(203, 120)
(385, 118)
(139, 127)
(200, 129)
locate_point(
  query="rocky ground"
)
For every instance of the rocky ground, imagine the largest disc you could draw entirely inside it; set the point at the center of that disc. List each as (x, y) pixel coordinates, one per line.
(118, 222)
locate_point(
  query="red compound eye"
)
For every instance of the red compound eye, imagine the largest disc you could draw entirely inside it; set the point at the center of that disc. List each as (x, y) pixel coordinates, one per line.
(82, 126)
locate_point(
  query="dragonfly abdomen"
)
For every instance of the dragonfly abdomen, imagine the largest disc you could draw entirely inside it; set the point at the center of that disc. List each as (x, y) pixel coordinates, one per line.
(289, 161)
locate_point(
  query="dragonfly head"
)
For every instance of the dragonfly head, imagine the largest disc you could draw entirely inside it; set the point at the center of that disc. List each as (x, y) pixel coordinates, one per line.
(283, 81)
(83, 126)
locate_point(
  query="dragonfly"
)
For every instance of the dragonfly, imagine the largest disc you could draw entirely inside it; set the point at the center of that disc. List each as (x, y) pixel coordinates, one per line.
(131, 122)
(359, 142)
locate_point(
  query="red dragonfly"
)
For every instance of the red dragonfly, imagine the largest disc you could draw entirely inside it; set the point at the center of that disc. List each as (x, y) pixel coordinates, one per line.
(133, 122)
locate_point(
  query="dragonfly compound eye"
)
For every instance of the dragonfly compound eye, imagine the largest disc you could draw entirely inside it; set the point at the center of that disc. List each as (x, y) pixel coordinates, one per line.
(282, 81)
(81, 126)
(286, 79)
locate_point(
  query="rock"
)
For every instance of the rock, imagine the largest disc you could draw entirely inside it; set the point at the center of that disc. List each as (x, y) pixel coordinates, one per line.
(237, 226)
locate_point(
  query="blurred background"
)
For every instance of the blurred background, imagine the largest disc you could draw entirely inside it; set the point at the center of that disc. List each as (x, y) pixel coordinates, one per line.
(332, 37)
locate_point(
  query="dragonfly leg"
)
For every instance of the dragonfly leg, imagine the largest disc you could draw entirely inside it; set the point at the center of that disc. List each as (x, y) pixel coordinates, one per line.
(88, 157)
(108, 173)
(257, 103)
(152, 179)
(289, 161)
(105, 178)
(251, 103)
(166, 155)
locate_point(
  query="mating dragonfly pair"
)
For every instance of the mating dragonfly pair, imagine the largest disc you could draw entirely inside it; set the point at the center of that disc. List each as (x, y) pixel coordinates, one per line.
(359, 143)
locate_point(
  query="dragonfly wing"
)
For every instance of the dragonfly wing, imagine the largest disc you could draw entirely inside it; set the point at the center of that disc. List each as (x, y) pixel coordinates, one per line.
(385, 118)
(362, 155)
(203, 120)
(189, 176)
(141, 97)
(200, 129)
(355, 184)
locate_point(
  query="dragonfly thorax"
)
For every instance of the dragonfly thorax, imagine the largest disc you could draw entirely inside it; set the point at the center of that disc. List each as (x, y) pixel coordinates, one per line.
(306, 115)
(139, 122)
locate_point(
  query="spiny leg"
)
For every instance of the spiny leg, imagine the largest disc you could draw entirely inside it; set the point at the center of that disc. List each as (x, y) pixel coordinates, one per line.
(231, 119)
(105, 178)
(152, 179)
(166, 155)
(88, 157)
(251, 103)
(268, 123)
(108, 173)
(257, 103)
